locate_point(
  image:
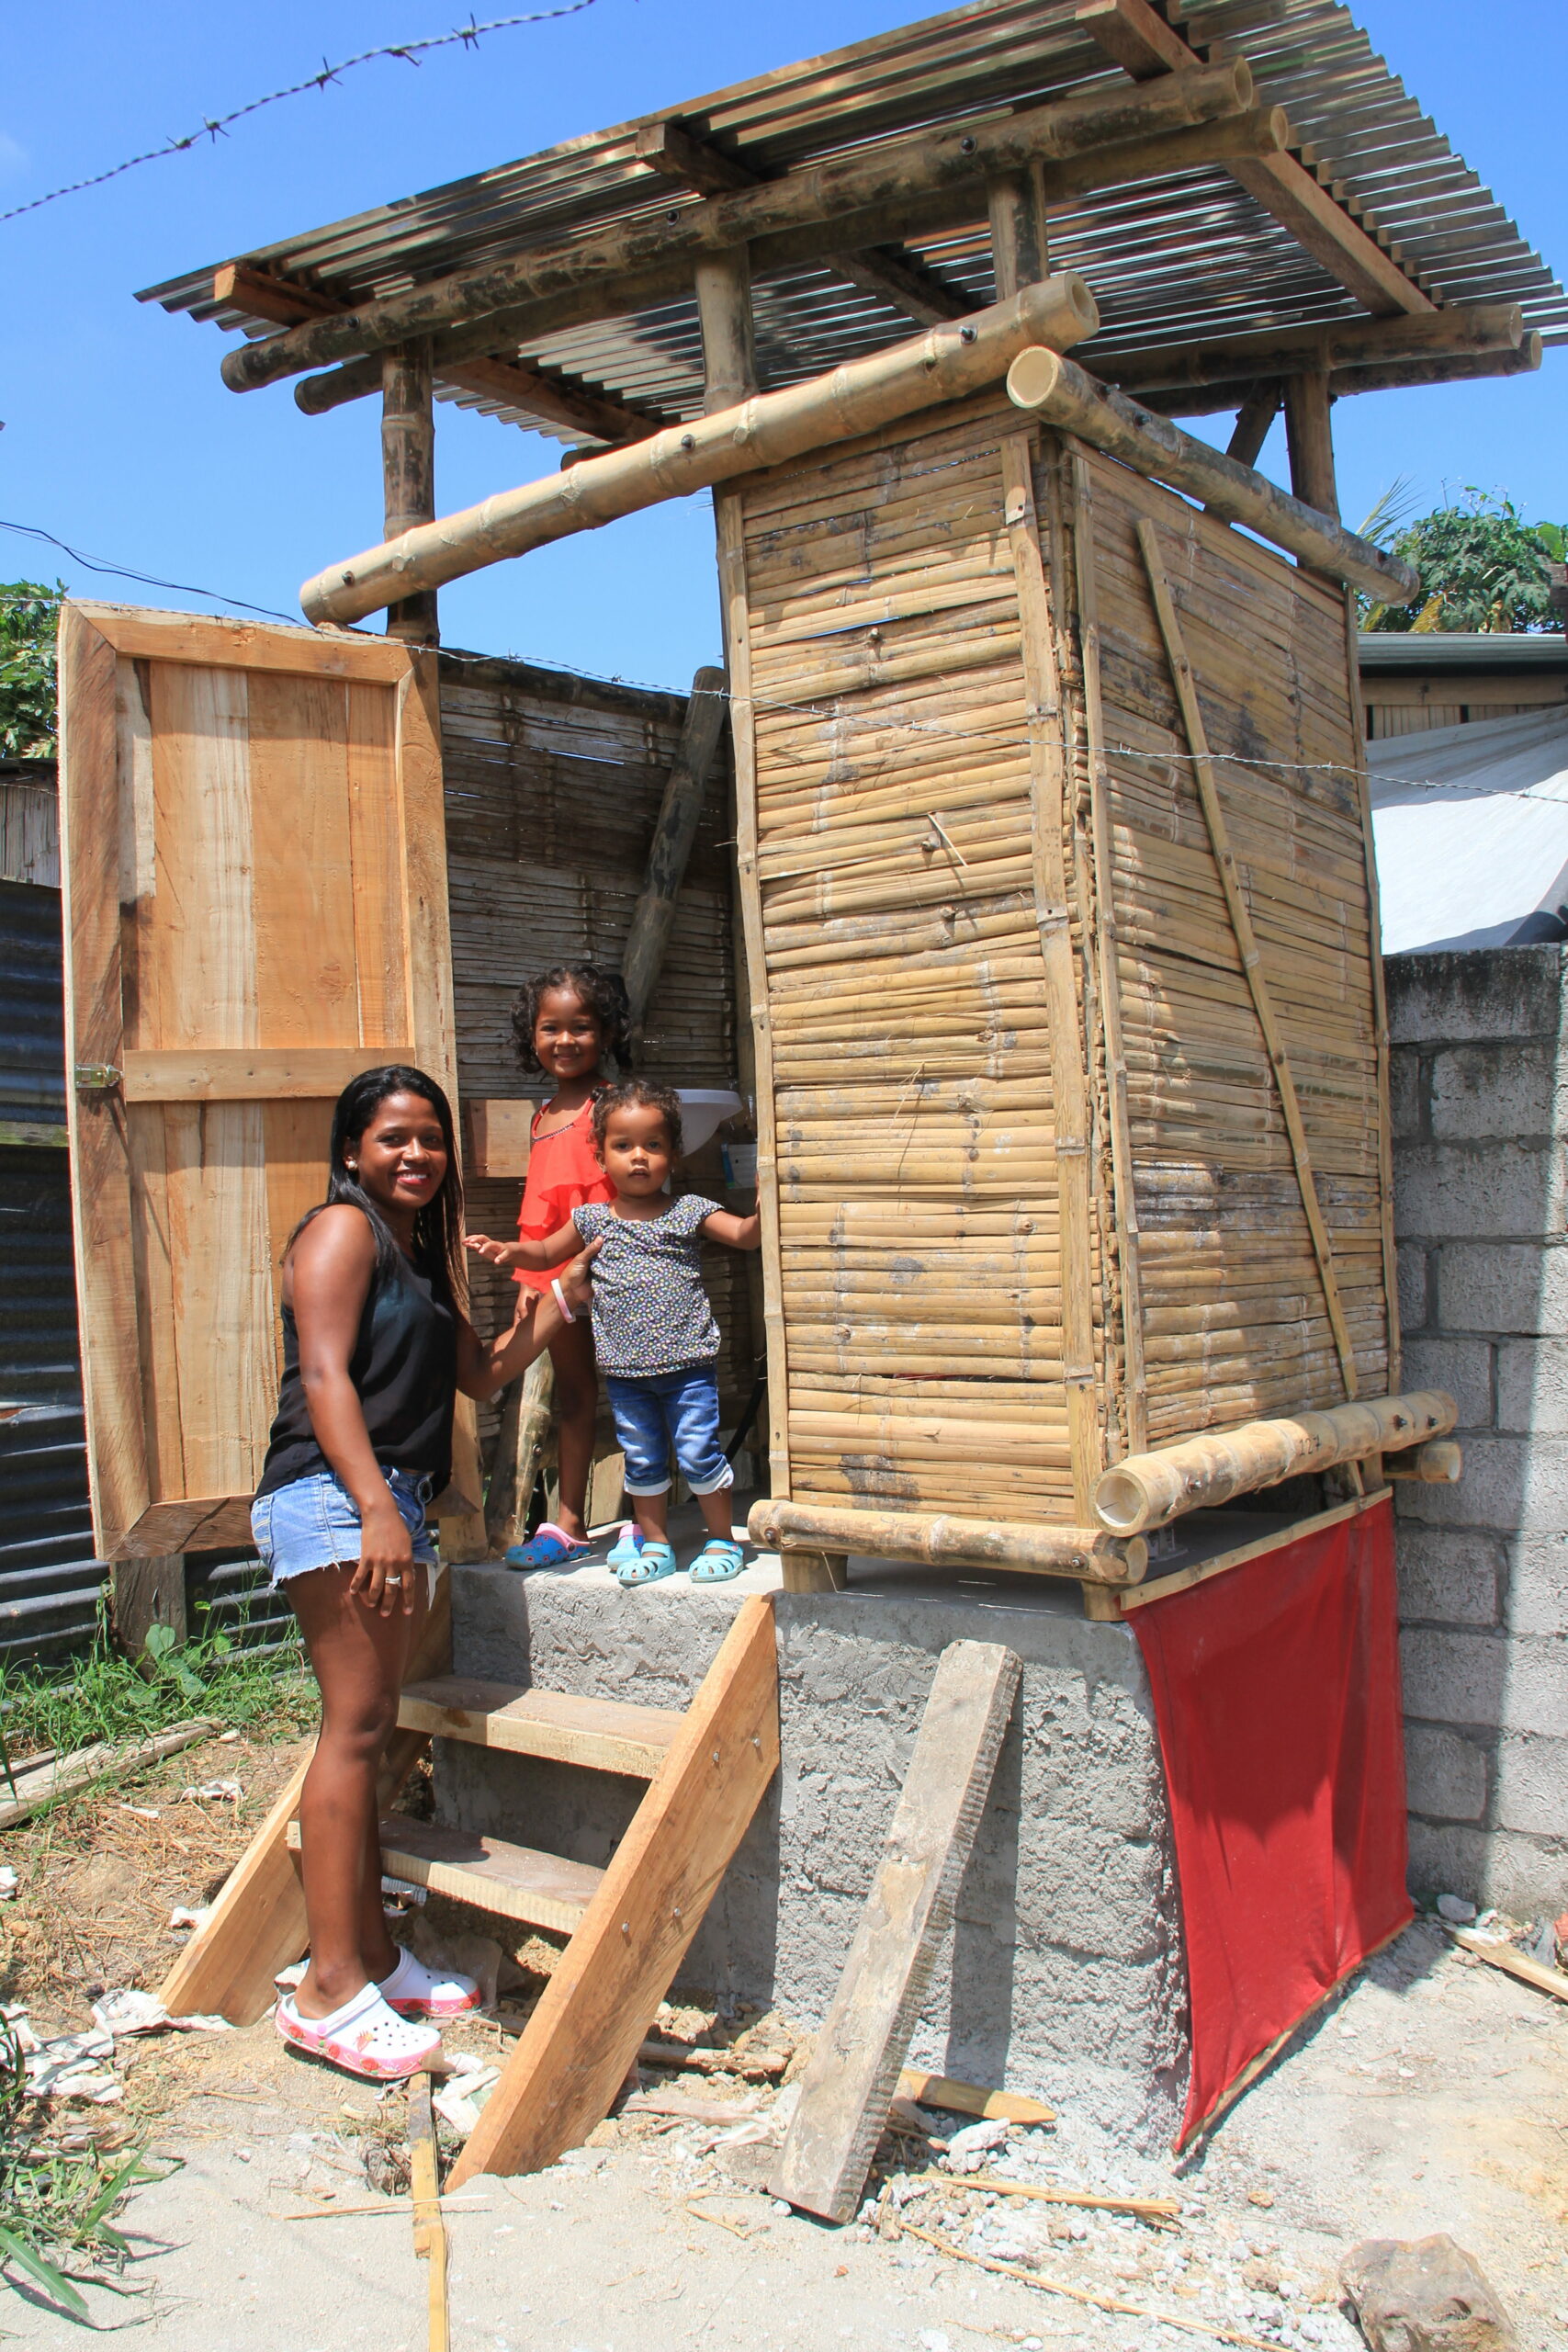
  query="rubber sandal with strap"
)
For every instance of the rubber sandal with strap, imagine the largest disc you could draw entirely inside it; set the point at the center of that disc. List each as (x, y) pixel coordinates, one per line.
(718, 1562)
(364, 2037)
(548, 1547)
(652, 1563)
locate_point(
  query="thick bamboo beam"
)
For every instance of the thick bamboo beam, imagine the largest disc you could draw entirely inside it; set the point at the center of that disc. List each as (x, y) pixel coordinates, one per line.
(1309, 438)
(680, 812)
(1149, 48)
(1343, 343)
(1148, 1489)
(940, 1540)
(408, 474)
(823, 196)
(888, 272)
(1048, 386)
(944, 364)
(1020, 244)
(1386, 376)
(1439, 1463)
(1253, 421)
(1261, 131)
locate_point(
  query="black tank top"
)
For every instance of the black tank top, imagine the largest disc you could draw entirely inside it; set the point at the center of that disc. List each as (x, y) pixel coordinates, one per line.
(404, 1368)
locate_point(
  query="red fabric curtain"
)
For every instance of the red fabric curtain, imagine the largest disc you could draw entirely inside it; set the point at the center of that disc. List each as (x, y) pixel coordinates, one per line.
(1276, 1692)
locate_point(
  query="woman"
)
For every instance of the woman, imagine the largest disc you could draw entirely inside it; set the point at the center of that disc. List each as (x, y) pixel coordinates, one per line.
(375, 1348)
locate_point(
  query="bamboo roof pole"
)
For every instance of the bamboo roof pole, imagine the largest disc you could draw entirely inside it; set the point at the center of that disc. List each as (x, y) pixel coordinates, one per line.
(674, 832)
(1046, 385)
(1469, 329)
(944, 364)
(823, 200)
(1309, 435)
(408, 472)
(1020, 244)
(1148, 1489)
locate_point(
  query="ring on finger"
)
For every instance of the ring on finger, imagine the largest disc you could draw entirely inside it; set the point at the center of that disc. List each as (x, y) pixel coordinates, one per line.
(392, 1579)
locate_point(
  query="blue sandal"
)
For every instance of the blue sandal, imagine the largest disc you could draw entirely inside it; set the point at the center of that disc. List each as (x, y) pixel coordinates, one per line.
(718, 1562)
(550, 1547)
(654, 1562)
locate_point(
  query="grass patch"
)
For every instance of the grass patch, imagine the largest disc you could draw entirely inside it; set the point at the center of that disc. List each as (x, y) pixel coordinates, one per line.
(57, 2205)
(107, 1696)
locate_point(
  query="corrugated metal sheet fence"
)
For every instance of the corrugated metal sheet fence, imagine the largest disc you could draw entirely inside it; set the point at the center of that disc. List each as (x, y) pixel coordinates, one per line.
(51, 1585)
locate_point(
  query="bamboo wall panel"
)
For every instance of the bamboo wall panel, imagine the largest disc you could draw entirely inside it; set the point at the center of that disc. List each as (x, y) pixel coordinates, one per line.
(1235, 1323)
(920, 1243)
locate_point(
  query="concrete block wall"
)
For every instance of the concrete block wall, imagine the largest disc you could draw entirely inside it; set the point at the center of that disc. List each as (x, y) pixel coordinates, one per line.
(1480, 1084)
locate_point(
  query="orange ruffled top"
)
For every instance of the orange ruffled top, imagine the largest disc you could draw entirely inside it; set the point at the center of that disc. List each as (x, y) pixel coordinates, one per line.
(562, 1174)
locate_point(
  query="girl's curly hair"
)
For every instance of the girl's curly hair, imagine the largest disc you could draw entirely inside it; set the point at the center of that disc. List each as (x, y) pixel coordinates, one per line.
(638, 1094)
(604, 994)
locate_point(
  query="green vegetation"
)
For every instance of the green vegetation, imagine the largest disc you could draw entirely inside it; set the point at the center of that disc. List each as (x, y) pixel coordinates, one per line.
(1483, 566)
(107, 1696)
(57, 2205)
(30, 618)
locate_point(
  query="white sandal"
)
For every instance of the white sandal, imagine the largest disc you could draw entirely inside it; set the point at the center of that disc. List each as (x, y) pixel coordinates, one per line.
(416, 1991)
(364, 2037)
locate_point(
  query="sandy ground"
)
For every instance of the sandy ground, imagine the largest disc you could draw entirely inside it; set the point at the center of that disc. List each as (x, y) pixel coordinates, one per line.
(1432, 2096)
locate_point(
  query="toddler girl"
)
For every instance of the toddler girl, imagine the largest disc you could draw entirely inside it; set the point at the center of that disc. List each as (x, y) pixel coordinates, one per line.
(653, 1327)
(564, 1023)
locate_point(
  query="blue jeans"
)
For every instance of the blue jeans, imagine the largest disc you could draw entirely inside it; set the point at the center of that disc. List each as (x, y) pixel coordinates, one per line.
(314, 1523)
(675, 1411)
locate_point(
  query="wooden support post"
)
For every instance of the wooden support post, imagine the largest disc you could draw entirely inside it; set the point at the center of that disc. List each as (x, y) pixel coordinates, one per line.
(144, 1593)
(1394, 1372)
(408, 471)
(1253, 421)
(1309, 435)
(1019, 235)
(429, 2226)
(1069, 1088)
(574, 2055)
(848, 2086)
(814, 1571)
(1247, 947)
(729, 344)
(674, 835)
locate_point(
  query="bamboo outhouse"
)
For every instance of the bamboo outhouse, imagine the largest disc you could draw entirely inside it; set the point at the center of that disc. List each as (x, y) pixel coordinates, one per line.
(1060, 942)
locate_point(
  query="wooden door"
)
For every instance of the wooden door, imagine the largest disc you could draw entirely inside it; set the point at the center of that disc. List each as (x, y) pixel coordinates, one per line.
(256, 890)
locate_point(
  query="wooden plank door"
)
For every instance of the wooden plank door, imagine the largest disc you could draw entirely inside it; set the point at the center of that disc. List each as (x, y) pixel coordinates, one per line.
(255, 876)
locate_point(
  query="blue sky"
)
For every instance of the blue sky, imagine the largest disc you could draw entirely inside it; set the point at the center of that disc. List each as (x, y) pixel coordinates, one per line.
(120, 438)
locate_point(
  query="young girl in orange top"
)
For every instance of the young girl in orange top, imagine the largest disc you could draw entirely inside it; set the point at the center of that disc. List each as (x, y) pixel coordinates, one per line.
(564, 1021)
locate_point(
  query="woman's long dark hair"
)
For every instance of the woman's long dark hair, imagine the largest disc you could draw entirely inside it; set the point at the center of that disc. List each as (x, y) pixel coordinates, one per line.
(438, 1228)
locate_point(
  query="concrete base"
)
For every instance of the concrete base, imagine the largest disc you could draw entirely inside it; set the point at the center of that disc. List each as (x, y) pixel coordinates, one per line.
(1064, 1976)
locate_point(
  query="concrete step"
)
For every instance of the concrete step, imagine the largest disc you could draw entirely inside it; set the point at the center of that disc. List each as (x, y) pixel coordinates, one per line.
(606, 1735)
(511, 1881)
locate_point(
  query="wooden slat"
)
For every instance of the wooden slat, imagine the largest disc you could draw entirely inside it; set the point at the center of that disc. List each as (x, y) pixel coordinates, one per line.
(1246, 942)
(1070, 1098)
(850, 2080)
(605, 1734)
(245, 644)
(249, 1073)
(729, 517)
(499, 1133)
(1380, 1003)
(596, 2009)
(1122, 1167)
(257, 1923)
(380, 962)
(101, 1191)
(511, 1881)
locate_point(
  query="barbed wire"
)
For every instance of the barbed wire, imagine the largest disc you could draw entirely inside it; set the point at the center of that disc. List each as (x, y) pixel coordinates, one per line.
(214, 126)
(810, 709)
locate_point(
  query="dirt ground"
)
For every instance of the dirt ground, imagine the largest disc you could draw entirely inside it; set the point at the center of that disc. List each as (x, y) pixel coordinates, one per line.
(1431, 2097)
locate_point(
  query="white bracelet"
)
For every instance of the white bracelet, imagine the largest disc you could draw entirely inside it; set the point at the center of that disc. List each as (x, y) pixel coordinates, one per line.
(561, 1298)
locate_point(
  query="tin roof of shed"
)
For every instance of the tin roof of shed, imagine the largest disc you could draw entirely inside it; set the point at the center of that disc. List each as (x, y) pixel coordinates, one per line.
(1168, 260)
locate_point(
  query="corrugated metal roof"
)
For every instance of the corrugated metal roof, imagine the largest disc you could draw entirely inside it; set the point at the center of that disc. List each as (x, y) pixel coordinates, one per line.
(1432, 651)
(1168, 260)
(1472, 830)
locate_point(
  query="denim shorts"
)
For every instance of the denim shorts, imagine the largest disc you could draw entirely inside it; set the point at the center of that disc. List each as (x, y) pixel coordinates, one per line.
(314, 1523)
(674, 1412)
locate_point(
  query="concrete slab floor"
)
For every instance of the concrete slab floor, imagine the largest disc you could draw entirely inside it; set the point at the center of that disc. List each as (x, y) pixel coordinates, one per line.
(1431, 2097)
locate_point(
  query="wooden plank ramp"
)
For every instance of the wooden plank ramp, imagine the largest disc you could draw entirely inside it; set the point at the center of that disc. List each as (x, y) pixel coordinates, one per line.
(848, 2086)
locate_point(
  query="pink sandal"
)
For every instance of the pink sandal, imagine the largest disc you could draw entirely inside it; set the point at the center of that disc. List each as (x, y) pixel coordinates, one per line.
(416, 1991)
(364, 2037)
